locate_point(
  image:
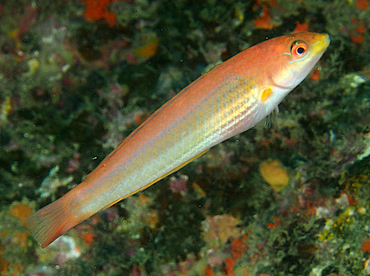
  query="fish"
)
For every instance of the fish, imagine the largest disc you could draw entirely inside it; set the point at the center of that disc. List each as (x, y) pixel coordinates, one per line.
(229, 99)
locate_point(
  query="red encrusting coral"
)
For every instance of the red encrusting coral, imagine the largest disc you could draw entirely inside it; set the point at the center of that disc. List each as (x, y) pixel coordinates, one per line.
(97, 9)
(209, 271)
(238, 247)
(265, 20)
(357, 35)
(366, 245)
(362, 4)
(301, 27)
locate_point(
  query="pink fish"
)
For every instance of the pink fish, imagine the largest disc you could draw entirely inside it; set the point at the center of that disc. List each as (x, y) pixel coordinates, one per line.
(227, 100)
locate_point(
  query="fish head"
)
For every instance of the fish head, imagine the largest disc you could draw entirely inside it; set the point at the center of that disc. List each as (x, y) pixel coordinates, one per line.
(296, 56)
(290, 59)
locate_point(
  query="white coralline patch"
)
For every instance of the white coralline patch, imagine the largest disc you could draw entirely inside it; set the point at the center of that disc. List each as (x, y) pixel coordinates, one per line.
(366, 152)
(353, 80)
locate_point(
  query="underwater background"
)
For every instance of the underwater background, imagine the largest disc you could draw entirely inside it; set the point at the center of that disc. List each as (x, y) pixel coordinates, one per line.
(288, 197)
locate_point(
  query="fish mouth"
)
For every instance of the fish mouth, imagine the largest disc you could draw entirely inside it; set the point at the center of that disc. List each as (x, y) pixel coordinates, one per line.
(323, 41)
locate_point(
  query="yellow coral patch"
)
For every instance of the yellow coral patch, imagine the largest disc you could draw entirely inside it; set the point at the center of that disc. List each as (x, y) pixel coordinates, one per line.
(148, 49)
(274, 173)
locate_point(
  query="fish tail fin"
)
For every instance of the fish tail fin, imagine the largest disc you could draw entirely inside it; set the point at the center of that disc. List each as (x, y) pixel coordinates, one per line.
(53, 220)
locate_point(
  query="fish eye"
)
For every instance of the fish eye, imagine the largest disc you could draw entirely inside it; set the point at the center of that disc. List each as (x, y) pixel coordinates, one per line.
(298, 49)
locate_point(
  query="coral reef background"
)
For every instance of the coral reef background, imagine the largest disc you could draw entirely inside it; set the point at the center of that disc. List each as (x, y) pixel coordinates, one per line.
(289, 197)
